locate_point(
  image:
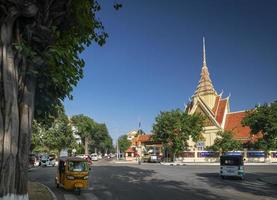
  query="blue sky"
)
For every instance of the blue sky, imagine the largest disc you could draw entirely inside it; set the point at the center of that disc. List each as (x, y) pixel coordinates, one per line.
(152, 59)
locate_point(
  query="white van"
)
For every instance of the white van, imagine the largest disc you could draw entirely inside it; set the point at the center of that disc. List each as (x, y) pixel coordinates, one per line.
(231, 166)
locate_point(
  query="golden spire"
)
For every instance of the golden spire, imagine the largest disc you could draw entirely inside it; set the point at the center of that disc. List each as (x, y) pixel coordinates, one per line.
(204, 53)
(205, 85)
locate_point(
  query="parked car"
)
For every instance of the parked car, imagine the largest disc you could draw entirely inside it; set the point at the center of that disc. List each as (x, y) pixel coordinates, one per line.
(48, 160)
(94, 157)
(80, 156)
(88, 158)
(153, 158)
(52, 160)
(44, 160)
(32, 160)
(37, 162)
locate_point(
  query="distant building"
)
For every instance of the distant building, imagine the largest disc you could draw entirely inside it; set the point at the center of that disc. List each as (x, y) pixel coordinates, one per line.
(131, 134)
(141, 144)
(216, 109)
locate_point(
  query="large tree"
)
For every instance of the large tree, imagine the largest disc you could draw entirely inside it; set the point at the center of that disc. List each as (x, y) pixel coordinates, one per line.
(40, 42)
(93, 135)
(123, 143)
(225, 142)
(84, 127)
(263, 121)
(174, 128)
(101, 139)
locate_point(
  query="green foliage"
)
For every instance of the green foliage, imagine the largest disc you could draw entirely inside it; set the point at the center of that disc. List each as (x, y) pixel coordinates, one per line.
(38, 131)
(83, 125)
(97, 133)
(263, 120)
(51, 42)
(101, 140)
(225, 142)
(54, 136)
(123, 143)
(173, 129)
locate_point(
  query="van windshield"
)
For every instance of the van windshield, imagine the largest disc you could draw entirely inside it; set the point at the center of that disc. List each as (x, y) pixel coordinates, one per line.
(77, 166)
(231, 161)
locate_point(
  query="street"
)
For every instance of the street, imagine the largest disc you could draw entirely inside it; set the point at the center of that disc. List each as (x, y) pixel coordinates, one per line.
(154, 181)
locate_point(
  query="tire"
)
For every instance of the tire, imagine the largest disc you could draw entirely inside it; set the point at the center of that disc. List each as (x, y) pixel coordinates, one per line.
(78, 191)
(223, 177)
(57, 184)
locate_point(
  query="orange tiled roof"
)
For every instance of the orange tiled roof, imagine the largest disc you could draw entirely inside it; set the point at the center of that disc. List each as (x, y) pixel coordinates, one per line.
(233, 123)
(144, 138)
(141, 139)
(220, 110)
(130, 150)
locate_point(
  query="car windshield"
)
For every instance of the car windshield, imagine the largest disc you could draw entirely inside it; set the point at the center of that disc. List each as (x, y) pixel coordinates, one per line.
(44, 157)
(77, 166)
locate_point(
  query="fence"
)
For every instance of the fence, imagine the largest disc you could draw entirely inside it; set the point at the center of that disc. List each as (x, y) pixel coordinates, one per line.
(210, 156)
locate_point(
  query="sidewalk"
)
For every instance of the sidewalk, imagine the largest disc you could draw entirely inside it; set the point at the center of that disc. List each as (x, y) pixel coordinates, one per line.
(269, 179)
(125, 161)
(39, 191)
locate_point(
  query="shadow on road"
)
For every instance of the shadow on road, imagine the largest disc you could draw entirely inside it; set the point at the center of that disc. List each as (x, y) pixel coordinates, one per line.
(126, 182)
(250, 185)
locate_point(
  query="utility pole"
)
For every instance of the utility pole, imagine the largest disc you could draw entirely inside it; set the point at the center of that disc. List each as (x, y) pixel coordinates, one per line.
(117, 149)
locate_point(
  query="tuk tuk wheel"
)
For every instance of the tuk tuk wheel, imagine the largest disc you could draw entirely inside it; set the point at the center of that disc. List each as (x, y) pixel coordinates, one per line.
(78, 191)
(57, 184)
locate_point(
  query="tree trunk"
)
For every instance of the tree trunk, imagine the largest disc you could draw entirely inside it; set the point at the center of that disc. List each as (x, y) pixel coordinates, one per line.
(16, 114)
(174, 157)
(86, 145)
(9, 113)
(25, 134)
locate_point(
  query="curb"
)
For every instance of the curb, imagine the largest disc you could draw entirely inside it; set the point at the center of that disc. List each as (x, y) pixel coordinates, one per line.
(214, 164)
(173, 164)
(183, 164)
(49, 190)
(125, 162)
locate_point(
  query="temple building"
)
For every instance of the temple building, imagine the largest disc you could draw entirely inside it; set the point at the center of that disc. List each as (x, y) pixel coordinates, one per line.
(216, 110)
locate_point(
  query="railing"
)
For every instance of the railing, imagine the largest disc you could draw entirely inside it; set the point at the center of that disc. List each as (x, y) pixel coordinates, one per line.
(210, 156)
(207, 154)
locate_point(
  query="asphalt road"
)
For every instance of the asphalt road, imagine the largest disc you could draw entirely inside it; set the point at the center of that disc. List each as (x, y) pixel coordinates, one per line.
(155, 181)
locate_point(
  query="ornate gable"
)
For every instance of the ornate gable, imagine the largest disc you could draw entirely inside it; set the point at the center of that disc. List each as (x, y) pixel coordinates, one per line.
(208, 121)
(201, 107)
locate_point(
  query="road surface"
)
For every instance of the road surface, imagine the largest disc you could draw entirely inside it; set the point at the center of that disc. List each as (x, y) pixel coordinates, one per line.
(110, 181)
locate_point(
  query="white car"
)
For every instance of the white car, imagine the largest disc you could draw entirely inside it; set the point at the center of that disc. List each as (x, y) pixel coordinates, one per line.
(94, 157)
(99, 156)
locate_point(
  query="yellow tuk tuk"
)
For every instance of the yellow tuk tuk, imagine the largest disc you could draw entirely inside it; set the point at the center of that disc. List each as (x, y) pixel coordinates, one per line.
(72, 173)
